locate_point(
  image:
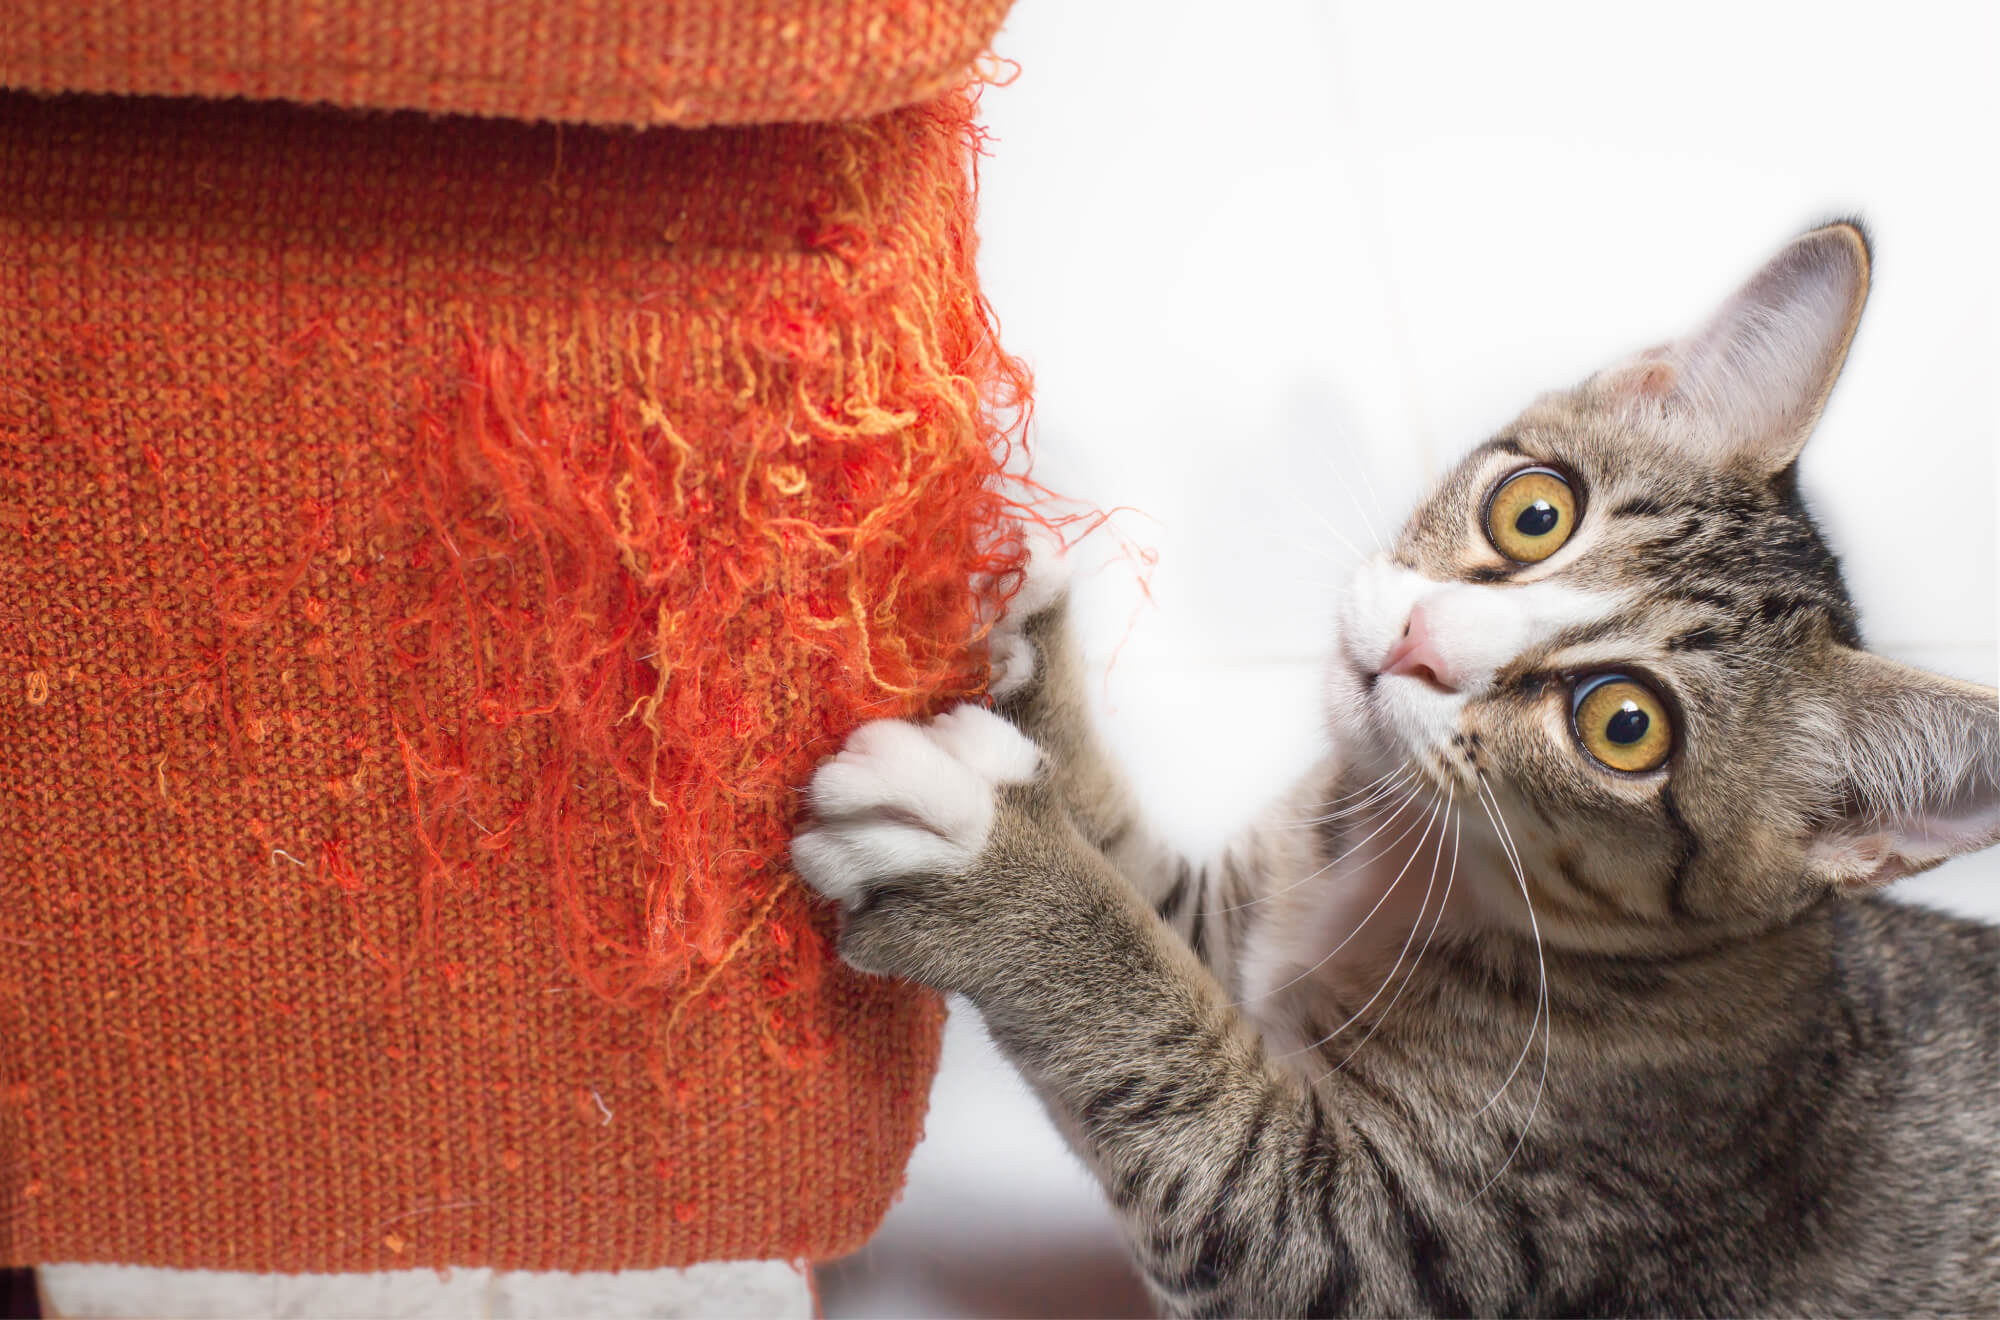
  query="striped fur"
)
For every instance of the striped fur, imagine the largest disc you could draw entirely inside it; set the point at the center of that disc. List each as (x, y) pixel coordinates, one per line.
(1467, 1023)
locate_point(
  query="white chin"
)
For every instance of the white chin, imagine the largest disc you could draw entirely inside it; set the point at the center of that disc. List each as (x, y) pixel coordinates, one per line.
(1416, 716)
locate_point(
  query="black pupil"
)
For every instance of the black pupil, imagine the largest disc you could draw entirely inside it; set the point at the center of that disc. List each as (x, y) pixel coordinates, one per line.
(1627, 726)
(1538, 519)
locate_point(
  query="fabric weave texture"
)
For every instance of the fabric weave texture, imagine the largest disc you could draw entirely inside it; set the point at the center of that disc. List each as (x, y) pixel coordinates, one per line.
(431, 551)
(634, 62)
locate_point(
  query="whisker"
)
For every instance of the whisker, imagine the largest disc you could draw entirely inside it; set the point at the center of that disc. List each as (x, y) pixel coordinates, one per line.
(1430, 887)
(1542, 1008)
(1347, 490)
(1513, 849)
(1396, 770)
(1513, 861)
(1444, 901)
(1403, 780)
(1387, 821)
(1498, 818)
(1436, 810)
(1388, 818)
(1391, 772)
(1358, 808)
(1327, 523)
(1369, 482)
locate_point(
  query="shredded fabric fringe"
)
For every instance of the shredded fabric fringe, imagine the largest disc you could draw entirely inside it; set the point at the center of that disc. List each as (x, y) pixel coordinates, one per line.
(671, 618)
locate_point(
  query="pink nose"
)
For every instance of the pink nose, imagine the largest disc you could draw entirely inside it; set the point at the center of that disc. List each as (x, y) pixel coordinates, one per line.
(1416, 655)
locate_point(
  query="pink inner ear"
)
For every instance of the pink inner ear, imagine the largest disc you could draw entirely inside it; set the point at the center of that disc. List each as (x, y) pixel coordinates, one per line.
(1859, 862)
(1650, 376)
(1656, 381)
(1908, 847)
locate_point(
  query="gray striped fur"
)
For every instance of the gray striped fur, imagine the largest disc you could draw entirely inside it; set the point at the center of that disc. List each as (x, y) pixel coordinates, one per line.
(1715, 1074)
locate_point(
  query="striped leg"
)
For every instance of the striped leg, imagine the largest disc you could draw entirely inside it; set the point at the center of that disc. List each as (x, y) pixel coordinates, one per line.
(1242, 1190)
(1039, 687)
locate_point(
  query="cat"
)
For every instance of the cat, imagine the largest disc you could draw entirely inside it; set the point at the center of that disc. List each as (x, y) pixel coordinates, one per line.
(1642, 1037)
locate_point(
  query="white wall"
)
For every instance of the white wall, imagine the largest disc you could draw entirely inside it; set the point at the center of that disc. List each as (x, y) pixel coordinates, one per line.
(1276, 263)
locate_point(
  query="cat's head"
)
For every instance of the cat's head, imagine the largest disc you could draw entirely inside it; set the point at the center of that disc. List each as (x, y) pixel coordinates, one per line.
(1618, 613)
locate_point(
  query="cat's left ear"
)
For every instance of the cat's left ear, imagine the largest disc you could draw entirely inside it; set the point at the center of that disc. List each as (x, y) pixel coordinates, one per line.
(1748, 387)
(1916, 760)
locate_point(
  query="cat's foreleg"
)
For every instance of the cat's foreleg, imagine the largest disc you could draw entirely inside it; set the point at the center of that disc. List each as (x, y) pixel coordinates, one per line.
(1243, 1192)
(1039, 685)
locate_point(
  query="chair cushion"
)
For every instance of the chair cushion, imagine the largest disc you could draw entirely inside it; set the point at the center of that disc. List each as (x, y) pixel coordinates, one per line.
(687, 62)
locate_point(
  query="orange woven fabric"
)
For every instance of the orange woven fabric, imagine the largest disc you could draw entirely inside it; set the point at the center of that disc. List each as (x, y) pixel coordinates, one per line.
(685, 62)
(431, 554)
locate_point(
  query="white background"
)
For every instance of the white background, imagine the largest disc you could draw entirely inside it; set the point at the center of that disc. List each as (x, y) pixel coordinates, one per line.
(1275, 263)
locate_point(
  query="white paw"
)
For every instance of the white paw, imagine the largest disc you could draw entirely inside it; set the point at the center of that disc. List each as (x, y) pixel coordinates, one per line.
(905, 798)
(1045, 577)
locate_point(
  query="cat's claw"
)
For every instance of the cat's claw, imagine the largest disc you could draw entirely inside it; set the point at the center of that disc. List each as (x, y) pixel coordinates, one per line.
(1045, 579)
(904, 799)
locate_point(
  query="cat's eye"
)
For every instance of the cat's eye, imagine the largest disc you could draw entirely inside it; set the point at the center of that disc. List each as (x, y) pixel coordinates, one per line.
(1622, 724)
(1530, 515)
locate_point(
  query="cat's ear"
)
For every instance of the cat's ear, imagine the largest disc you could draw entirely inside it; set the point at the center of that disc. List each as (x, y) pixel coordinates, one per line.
(1748, 386)
(1916, 774)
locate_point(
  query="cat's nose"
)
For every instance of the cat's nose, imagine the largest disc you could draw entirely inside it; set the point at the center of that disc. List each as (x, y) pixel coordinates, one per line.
(1416, 655)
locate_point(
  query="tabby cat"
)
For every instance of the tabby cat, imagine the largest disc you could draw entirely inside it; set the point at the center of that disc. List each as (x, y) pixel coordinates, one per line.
(1640, 1036)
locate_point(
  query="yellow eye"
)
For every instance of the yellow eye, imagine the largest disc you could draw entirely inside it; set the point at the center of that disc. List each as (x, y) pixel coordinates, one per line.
(1530, 515)
(1622, 724)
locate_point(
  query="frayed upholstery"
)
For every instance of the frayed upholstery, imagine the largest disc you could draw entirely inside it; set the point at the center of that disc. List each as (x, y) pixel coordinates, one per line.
(431, 552)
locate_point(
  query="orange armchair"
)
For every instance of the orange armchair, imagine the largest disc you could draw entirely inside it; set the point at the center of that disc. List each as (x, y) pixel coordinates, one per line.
(431, 547)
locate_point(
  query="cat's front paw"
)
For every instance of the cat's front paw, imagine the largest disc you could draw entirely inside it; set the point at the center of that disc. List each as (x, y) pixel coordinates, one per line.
(1044, 587)
(901, 817)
